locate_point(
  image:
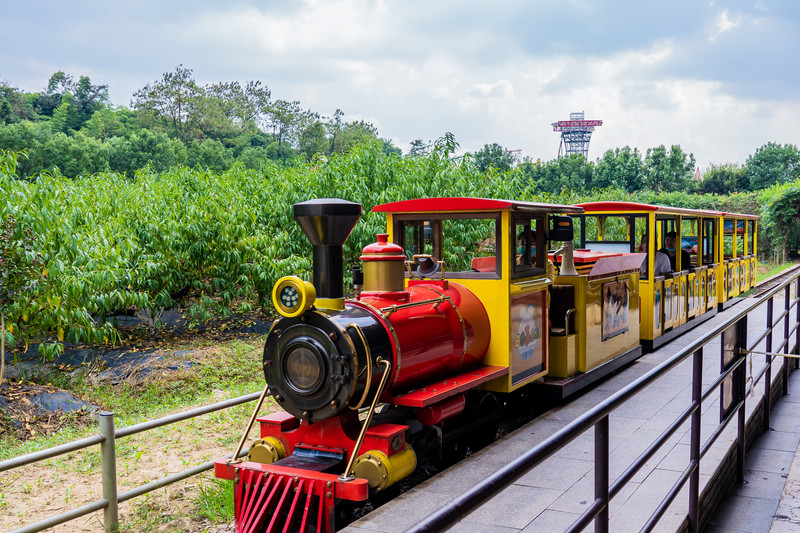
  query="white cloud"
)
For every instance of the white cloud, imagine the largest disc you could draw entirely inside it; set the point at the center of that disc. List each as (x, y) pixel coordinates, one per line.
(724, 24)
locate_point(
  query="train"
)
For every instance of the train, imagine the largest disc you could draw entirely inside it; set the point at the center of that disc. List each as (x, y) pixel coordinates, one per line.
(460, 305)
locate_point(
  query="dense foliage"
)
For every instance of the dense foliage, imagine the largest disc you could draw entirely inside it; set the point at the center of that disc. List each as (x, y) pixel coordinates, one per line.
(215, 242)
(173, 121)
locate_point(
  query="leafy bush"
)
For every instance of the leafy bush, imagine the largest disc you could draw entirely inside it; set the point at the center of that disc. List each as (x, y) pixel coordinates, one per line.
(215, 242)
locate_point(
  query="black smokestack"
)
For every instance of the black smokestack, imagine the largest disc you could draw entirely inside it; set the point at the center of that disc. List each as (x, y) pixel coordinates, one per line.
(327, 222)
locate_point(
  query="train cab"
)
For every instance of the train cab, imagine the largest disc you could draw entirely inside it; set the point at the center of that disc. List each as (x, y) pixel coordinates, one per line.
(498, 250)
(679, 276)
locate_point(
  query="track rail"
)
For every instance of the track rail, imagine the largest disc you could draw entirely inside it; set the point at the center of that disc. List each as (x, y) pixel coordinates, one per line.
(773, 281)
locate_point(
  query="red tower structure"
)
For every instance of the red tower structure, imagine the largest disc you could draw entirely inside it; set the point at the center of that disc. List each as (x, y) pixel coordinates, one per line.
(575, 134)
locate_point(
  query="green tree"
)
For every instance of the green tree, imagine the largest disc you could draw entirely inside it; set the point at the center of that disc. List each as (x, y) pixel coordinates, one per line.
(6, 113)
(288, 120)
(30, 137)
(110, 122)
(390, 149)
(88, 99)
(143, 149)
(622, 168)
(253, 157)
(313, 140)
(724, 179)
(19, 105)
(209, 154)
(75, 155)
(772, 163)
(243, 105)
(494, 156)
(58, 84)
(568, 173)
(334, 129)
(354, 133)
(174, 101)
(418, 148)
(62, 118)
(668, 170)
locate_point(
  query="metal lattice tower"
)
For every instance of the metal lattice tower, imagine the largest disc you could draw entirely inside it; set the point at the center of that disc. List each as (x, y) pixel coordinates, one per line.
(575, 134)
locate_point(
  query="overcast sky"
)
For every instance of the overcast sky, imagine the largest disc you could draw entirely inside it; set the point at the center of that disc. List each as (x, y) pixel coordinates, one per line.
(720, 78)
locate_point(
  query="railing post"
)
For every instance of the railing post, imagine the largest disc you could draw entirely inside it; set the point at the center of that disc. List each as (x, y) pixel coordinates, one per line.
(740, 384)
(694, 450)
(768, 361)
(601, 472)
(108, 461)
(786, 297)
(797, 321)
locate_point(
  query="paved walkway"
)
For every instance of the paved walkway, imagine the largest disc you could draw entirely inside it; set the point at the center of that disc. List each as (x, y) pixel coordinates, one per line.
(554, 494)
(769, 500)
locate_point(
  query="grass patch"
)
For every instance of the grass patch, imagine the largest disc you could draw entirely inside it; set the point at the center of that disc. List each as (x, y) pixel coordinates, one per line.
(214, 500)
(770, 269)
(230, 369)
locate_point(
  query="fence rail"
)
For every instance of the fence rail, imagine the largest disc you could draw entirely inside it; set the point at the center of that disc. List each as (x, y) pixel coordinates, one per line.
(107, 441)
(734, 332)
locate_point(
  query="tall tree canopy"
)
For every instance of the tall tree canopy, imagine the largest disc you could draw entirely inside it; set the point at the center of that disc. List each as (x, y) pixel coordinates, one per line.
(772, 163)
(494, 156)
(174, 101)
(668, 170)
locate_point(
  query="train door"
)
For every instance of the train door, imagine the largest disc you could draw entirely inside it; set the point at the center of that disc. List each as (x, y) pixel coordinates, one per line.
(528, 298)
(689, 240)
(709, 258)
(752, 256)
(680, 261)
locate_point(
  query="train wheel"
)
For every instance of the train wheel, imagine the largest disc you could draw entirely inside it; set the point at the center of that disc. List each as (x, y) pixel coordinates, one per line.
(452, 452)
(346, 512)
(488, 410)
(385, 496)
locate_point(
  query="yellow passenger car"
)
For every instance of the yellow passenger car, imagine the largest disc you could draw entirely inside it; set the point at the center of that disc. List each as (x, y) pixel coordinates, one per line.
(680, 276)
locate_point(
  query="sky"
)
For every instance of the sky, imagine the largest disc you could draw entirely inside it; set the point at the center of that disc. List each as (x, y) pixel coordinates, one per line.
(719, 78)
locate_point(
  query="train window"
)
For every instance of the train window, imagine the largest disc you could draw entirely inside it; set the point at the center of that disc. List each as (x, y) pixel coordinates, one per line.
(689, 237)
(418, 238)
(751, 237)
(709, 239)
(530, 246)
(468, 245)
(733, 241)
(610, 233)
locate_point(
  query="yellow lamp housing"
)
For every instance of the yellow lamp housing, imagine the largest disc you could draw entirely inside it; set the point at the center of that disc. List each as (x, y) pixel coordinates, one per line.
(292, 296)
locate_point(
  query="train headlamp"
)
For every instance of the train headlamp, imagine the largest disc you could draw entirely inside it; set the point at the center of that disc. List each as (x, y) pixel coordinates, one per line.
(292, 296)
(304, 368)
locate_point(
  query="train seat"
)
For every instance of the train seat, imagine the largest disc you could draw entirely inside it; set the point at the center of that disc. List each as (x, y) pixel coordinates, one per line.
(562, 310)
(484, 264)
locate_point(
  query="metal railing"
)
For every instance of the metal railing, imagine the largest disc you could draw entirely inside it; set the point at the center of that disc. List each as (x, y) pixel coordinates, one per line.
(108, 462)
(733, 333)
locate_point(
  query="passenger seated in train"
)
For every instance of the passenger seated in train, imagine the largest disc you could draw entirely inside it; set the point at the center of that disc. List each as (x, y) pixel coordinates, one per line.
(662, 261)
(671, 252)
(524, 255)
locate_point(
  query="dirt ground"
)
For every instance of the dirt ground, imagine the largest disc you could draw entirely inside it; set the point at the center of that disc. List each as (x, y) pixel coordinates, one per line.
(55, 486)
